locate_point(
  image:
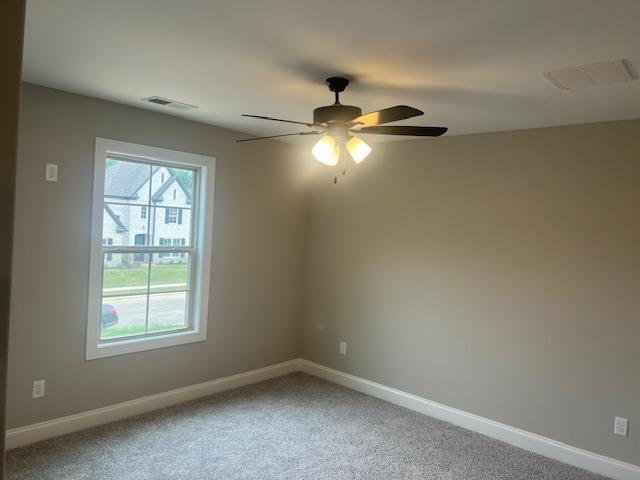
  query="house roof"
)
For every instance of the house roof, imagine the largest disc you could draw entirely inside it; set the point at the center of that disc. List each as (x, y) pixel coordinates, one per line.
(124, 179)
(158, 196)
(121, 227)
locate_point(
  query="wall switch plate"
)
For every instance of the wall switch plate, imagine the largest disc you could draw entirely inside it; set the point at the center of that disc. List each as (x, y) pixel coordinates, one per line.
(343, 348)
(621, 426)
(51, 172)
(38, 389)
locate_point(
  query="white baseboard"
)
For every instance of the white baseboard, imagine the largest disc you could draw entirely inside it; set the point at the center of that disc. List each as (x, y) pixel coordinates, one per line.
(21, 436)
(593, 462)
(520, 438)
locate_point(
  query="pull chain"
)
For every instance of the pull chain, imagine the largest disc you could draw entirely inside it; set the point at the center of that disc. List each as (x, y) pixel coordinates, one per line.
(342, 166)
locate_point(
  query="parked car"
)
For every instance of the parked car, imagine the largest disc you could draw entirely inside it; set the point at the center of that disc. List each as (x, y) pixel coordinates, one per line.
(109, 315)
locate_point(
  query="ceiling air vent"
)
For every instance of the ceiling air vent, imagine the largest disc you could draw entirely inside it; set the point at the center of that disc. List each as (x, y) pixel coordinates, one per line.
(592, 75)
(165, 102)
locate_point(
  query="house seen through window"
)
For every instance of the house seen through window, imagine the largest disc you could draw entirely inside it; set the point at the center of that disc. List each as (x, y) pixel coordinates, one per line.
(148, 289)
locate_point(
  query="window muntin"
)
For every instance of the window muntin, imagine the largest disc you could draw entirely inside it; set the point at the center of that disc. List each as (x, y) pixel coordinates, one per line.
(151, 275)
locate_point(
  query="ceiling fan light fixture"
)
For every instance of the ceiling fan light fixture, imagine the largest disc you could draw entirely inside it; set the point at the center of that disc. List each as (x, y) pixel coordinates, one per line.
(326, 150)
(358, 149)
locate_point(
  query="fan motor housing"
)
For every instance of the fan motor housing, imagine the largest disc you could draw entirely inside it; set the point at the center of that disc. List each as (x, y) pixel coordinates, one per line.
(336, 113)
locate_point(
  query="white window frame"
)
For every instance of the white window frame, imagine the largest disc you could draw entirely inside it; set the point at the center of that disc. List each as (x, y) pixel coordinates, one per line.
(203, 220)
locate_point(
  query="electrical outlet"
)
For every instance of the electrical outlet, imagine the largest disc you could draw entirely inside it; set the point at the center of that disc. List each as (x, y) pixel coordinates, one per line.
(51, 172)
(38, 389)
(343, 348)
(621, 426)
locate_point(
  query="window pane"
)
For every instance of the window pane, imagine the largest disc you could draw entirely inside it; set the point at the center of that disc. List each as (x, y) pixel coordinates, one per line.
(127, 182)
(125, 224)
(169, 296)
(124, 295)
(170, 272)
(124, 273)
(172, 187)
(170, 224)
(168, 311)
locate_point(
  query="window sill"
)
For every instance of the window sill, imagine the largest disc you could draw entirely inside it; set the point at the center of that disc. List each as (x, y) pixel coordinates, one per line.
(133, 345)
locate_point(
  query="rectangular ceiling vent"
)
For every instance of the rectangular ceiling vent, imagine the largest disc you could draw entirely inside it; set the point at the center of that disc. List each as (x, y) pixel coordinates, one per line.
(592, 75)
(165, 102)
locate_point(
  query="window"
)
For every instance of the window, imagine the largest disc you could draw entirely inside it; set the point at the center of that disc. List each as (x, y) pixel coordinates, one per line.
(148, 289)
(174, 193)
(172, 215)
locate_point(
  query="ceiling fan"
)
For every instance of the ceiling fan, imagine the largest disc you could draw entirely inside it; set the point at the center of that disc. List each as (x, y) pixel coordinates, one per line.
(339, 124)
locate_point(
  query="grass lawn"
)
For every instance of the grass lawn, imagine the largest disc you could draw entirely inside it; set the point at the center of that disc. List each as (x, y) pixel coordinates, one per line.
(115, 331)
(132, 277)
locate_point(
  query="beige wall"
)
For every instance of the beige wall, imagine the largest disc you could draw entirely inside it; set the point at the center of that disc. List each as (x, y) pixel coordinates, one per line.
(255, 305)
(498, 274)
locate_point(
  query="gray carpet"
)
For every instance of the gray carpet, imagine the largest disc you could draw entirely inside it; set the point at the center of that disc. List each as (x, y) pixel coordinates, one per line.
(293, 427)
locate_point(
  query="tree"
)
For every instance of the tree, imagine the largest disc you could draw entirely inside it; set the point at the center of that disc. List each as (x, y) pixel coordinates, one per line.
(185, 177)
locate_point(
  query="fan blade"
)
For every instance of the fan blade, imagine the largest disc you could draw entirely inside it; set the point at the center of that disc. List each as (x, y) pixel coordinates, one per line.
(277, 119)
(391, 114)
(404, 130)
(276, 136)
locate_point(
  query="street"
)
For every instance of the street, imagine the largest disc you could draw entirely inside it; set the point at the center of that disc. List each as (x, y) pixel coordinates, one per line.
(164, 308)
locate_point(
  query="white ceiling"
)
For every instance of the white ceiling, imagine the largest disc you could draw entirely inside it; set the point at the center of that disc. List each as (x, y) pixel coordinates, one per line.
(471, 65)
